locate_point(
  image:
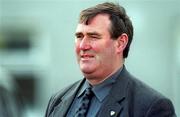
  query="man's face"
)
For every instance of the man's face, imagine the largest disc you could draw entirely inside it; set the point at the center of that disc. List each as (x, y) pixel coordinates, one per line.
(95, 50)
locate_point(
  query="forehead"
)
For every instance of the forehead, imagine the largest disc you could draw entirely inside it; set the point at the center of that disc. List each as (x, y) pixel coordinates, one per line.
(99, 23)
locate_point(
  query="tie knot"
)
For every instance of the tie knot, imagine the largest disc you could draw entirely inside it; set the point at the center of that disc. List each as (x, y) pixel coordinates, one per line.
(88, 92)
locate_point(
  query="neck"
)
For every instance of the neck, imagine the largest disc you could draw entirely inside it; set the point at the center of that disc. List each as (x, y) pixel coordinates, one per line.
(93, 80)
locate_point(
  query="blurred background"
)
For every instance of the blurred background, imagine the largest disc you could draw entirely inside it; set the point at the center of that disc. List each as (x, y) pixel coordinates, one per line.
(37, 55)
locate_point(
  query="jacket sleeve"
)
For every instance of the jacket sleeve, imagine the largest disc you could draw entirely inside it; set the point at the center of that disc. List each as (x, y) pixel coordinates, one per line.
(57, 98)
(49, 107)
(161, 108)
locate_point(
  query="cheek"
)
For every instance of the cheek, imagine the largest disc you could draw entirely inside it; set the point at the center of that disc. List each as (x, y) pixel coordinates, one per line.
(109, 50)
(77, 49)
(97, 47)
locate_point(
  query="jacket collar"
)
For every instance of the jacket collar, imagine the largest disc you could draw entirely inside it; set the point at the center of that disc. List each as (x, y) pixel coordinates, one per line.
(115, 101)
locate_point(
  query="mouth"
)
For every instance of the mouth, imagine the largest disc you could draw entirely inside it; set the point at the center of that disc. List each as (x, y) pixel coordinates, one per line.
(87, 56)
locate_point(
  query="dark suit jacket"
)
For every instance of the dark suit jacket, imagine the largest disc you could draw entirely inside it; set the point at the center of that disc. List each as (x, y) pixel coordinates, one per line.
(128, 97)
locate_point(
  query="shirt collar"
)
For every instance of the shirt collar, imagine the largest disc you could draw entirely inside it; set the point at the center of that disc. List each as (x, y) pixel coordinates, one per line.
(101, 90)
(84, 87)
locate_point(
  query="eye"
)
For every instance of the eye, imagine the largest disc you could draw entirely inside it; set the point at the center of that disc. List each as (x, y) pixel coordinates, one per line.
(94, 37)
(79, 36)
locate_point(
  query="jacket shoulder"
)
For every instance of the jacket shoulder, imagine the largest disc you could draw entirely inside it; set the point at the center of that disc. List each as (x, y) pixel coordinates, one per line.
(144, 91)
(56, 98)
(148, 99)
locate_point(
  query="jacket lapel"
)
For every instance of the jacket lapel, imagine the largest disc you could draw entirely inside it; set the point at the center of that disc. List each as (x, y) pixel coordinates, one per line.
(61, 109)
(115, 102)
(111, 110)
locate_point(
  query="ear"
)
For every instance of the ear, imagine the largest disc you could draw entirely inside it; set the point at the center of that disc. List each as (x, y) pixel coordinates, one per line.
(122, 41)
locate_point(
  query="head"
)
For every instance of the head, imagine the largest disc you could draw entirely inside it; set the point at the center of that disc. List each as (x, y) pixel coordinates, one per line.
(120, 22)
(103, 38)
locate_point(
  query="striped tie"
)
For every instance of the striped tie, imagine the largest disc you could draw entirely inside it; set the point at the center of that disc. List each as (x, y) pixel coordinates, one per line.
(85, 102)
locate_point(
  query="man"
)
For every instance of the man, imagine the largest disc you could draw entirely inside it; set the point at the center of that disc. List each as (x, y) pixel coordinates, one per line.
(103, 38)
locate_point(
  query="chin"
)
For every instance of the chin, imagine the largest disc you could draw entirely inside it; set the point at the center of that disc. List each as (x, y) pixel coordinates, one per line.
(88, 76)
(86, 71)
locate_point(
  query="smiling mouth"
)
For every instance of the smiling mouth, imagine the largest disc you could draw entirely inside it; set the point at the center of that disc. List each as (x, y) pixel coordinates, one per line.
(87, 56)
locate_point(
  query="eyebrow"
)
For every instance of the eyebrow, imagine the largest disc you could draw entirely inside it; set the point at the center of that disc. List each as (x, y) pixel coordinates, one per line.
(78, 33)
(89, 34)
(93, 34)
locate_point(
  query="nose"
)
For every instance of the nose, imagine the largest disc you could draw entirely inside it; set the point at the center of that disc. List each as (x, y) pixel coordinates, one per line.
(85, 44)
